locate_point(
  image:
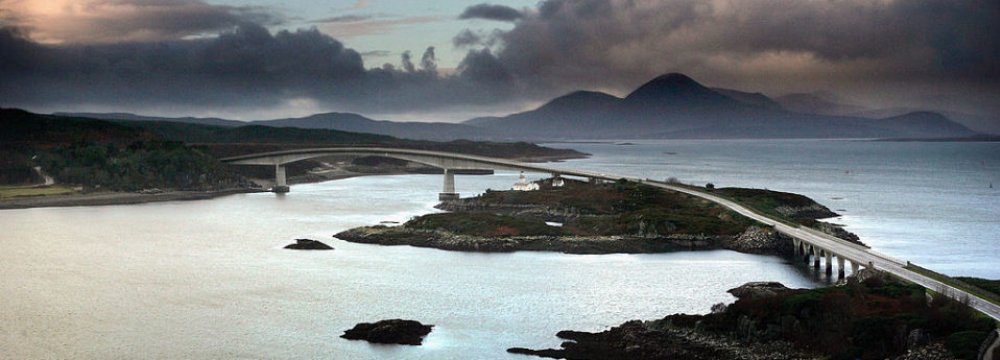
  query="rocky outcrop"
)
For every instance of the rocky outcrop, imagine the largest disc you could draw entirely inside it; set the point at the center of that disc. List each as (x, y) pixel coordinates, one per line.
(760, 240)
(812, 211)
(653, 340)
(756, 290)
(935, 351)
(438, 239)
(394, 331)
(307, 244)
(837, 231)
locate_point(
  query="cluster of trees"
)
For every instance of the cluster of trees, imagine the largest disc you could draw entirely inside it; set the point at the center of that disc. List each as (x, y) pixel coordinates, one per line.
(140, 165)
(16, 169)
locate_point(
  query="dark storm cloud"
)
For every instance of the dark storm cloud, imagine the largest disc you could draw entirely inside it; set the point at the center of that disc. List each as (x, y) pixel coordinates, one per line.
(109, 21)
(247, 67)
(491, 12)
(925, 49)
(582, 42)
(468, 38)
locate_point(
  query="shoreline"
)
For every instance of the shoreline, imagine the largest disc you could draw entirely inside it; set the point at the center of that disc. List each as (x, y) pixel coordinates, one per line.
(130, 198)
(116, 198)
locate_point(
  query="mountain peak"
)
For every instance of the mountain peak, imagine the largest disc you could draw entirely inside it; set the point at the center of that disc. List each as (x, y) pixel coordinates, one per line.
(674, 89)
(674, 79)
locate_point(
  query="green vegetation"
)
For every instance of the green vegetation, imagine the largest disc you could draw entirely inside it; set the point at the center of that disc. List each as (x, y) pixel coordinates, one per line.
(18, 191)
(960, 283)
(597, 209)
(483, 224)
(140, 165)
(104, 155)
(861, 320)
(992, 286)
(777, 204)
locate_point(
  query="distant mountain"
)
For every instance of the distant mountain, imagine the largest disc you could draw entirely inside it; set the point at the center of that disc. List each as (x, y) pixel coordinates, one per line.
(358, 123)
(671, 106)
(818, 103)
(329, 121)
(676, 106)
(134, 117)
(754, 99)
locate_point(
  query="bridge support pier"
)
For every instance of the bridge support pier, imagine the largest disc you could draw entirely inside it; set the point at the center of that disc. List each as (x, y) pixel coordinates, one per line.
(448, 193)
(795, 246)
(829, 263)
(855, 268)
(280, 181)
(840, 267)
(816, 252)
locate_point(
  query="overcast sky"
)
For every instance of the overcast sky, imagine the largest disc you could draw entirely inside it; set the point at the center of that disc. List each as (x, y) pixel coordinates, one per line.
(452, 60)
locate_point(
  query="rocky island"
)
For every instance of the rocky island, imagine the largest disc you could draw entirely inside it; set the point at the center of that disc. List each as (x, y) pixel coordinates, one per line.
(393, 331)
(595, 218)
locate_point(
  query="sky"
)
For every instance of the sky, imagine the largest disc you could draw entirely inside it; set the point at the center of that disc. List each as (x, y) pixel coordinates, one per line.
(450, 60)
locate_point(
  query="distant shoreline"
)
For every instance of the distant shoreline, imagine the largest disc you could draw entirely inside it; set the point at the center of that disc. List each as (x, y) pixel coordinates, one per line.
(115, 198)
(130, 198)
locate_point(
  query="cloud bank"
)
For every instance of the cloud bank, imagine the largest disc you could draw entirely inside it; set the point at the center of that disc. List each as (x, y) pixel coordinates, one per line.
(157, 53)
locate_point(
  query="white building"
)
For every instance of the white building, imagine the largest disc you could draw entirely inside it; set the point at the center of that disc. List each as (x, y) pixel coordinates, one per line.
(522, 184)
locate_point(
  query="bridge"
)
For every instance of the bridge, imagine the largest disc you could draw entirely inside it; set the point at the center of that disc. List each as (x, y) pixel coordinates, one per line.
(807, 242)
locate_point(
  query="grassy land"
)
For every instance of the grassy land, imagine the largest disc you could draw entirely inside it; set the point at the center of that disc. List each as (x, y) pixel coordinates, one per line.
(7, 192)
(600, 209)
(962, 284)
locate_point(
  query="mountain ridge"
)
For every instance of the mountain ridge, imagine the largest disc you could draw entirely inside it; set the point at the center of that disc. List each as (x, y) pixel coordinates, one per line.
(672, 105)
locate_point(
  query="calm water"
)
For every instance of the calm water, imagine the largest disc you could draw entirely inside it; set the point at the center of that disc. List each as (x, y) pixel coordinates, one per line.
(208, 279)
(930, 203)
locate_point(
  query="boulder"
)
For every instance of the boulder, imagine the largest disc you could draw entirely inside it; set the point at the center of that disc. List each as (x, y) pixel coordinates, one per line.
(394, 331)
(307, 244)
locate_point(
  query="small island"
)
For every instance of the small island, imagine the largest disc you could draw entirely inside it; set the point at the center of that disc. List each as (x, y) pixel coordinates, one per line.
(579, 217)
(393, 331)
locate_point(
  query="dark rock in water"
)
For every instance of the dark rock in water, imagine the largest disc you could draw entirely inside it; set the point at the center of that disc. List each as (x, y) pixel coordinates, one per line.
(756, 290)
(307, 244)
(395, 331)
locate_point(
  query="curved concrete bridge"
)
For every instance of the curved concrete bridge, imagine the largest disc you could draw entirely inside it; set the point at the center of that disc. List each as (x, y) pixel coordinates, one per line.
(808, 243)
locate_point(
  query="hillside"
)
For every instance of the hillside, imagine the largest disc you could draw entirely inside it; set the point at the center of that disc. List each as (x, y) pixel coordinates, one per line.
(133, 155)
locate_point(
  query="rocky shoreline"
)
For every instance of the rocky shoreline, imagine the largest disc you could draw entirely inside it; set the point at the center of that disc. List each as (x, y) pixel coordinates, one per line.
(756, 240)
(444, 240)
(870, 316)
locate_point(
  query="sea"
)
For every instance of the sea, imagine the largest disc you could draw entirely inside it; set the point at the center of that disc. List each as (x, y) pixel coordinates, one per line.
(210, 279)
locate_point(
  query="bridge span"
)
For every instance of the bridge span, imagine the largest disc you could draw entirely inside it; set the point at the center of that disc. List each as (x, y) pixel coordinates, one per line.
(808, 243)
